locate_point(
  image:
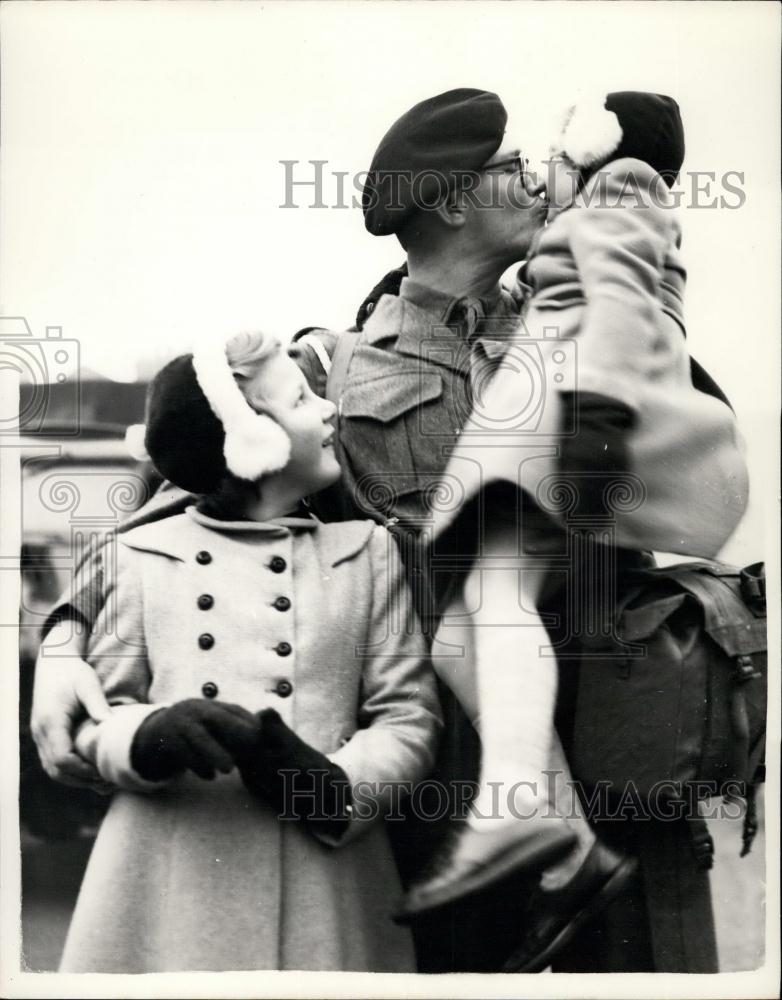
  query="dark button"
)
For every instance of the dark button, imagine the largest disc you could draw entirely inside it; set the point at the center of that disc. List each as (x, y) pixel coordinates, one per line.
(209, 690)
(203, 557)
(282, 604)
(278, 565)
(205, 602)
(283, 649)
(206, 641)
(284, 688)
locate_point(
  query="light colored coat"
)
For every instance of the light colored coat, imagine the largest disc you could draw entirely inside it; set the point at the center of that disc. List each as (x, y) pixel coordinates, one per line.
(608, 291)
(198, 875)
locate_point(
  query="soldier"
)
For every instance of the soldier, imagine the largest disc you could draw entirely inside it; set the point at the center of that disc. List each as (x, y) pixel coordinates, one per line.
(452, 188)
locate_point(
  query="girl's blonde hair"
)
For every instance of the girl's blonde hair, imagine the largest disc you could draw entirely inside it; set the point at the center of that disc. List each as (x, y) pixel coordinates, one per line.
(246, 352)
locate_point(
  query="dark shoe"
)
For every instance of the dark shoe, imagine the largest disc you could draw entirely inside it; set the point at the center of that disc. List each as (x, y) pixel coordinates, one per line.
(482, 857)
(558, 916)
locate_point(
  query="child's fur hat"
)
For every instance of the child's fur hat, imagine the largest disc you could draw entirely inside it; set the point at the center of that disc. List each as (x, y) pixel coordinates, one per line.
(200, 427)
(625, 123)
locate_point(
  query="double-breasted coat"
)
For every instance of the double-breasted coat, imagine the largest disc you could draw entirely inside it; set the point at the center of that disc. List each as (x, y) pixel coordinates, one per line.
(315, 621)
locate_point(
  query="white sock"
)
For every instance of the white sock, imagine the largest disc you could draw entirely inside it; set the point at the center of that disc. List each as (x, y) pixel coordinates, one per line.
(516, 688)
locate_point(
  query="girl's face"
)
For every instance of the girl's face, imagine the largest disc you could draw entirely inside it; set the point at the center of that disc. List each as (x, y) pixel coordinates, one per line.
(280, 390)
(562, 184)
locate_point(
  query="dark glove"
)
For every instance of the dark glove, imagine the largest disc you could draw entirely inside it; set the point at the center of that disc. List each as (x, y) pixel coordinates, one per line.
(196, 735)
(597, 453)
(310, 787)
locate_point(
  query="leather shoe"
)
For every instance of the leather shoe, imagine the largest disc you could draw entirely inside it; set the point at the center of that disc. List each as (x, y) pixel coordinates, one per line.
(559, 915)
(482, 857)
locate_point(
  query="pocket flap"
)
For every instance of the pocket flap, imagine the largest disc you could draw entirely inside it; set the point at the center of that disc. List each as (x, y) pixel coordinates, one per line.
(387, 397)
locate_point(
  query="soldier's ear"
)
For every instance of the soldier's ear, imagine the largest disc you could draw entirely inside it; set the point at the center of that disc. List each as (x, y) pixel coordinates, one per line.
(452, 210)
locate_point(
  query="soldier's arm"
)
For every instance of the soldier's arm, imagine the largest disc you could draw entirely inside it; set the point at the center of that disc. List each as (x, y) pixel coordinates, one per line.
(66, 688)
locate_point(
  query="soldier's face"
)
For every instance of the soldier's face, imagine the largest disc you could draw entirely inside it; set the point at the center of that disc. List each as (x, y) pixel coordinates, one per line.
(280, 390)
(509, 206)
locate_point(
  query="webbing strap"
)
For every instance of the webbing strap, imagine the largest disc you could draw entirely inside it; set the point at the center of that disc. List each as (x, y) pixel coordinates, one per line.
(339, 366)
(320, 351)
(727, 618)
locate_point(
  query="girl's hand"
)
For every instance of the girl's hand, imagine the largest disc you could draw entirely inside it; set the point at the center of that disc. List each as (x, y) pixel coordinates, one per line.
(294, 778)
(195, 735)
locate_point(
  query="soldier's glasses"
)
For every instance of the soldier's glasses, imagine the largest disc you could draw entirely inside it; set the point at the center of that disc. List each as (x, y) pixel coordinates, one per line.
(519, 163)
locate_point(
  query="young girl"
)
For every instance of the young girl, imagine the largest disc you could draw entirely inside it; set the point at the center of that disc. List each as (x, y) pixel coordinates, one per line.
(246, 640)
(626, 438)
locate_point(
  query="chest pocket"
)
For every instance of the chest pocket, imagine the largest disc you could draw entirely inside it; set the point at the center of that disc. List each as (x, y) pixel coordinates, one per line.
(395, 430)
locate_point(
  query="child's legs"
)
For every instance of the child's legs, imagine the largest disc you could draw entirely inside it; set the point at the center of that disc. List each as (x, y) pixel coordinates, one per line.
(516, 689)
(453, 657)
(563, 801)
(491, 660)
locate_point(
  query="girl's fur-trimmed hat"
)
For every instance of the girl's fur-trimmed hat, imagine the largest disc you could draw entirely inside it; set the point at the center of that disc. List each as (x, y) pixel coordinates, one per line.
(627, 123)
(200, 427)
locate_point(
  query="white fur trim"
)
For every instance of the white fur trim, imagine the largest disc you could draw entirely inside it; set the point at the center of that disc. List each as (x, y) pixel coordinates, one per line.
(589, 134)
(134, 442)
(109, 744)
(254, 443)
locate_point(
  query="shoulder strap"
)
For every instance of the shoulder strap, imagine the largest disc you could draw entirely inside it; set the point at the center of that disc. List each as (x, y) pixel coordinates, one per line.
(320, 351)
(727, 618)
(340, 363)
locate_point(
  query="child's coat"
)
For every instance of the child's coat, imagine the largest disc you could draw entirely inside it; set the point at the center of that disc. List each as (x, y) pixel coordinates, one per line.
(198, 875)
(607, 275)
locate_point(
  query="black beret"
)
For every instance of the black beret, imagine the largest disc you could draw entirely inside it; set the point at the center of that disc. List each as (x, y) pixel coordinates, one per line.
(184, 438)
(422, 152)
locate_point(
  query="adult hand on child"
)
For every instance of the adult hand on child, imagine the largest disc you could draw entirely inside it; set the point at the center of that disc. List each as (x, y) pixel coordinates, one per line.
(66, 689)
(195, 735)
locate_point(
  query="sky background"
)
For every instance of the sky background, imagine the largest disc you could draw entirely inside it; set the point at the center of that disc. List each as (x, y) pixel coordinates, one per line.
(141, 185)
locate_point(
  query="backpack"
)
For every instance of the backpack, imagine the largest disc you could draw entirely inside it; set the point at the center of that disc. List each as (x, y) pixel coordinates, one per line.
(675, 701)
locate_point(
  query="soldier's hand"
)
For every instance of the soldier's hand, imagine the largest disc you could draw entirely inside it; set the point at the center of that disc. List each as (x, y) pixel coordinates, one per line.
(65, 689)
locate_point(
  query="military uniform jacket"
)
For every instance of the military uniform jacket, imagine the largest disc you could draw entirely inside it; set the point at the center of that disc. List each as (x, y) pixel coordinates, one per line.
(293, 615)
(408, 393)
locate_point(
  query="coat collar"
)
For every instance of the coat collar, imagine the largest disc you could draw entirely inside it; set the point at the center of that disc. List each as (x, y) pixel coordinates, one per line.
(181, 537)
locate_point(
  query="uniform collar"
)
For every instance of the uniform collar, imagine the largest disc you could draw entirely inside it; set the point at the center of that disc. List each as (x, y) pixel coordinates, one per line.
(446, 307)
(430, 324)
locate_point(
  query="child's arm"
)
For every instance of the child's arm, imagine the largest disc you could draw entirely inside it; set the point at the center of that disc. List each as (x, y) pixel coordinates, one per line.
(399, 712)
